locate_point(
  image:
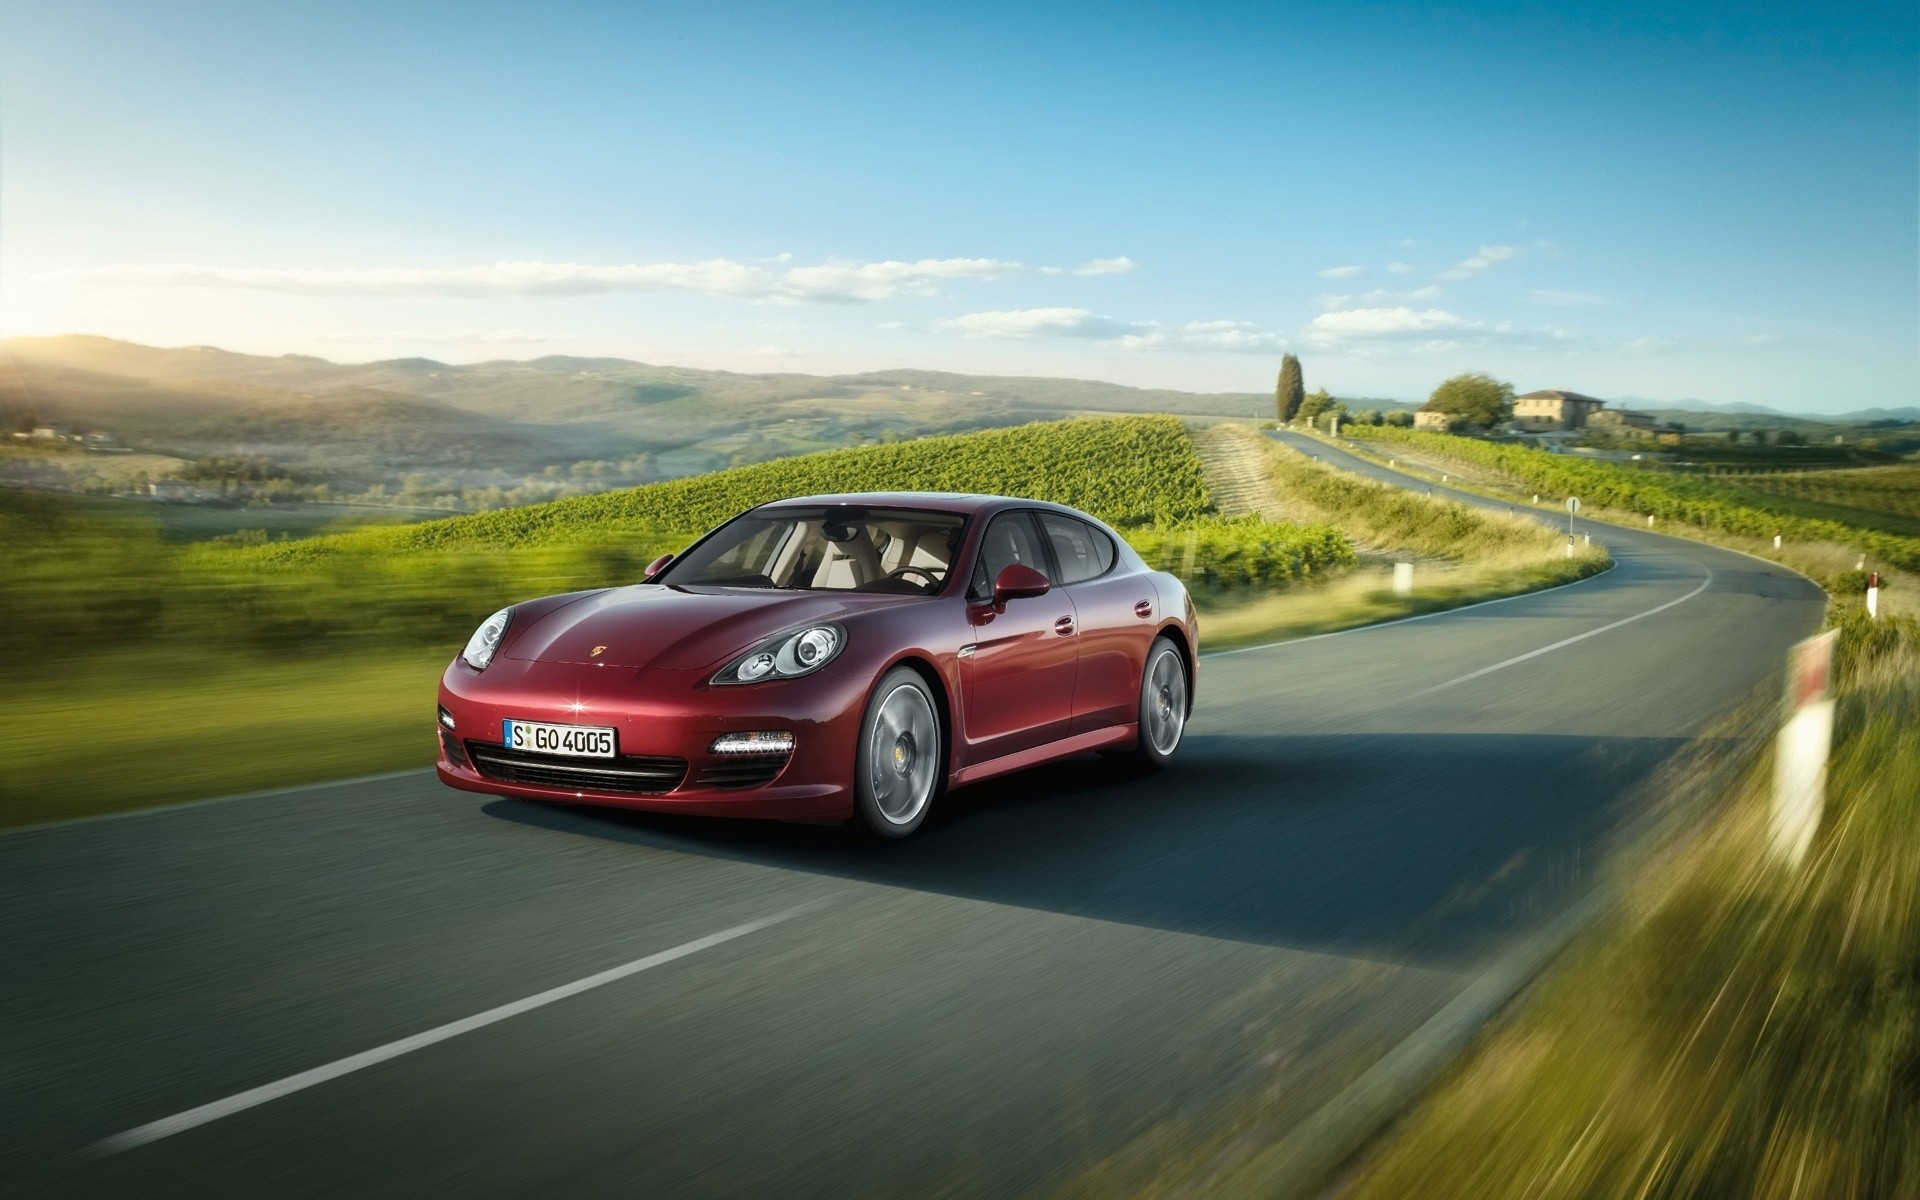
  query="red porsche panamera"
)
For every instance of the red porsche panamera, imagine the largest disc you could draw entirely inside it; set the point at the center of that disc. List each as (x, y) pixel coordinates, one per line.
(828, 658)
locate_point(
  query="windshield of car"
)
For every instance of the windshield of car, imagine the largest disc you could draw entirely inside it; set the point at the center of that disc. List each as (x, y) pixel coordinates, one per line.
(842, 549)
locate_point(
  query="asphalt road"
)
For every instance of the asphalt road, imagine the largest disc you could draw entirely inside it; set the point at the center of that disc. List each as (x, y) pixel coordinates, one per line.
(1070, 976)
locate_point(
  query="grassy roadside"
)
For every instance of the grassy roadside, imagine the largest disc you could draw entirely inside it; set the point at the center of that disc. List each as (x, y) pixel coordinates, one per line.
(1734, 1029)
(138, 730)
(1462, 555)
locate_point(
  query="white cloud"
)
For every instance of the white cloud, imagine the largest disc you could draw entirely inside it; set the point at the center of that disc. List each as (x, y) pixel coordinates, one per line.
(1480, 263)
(1433, 327)
(879, 281)
(1132, 335)
(1558, 299)
(1352, 272)
(1378, 297)
(825, 283)
(1399, 268)
(1035, 322)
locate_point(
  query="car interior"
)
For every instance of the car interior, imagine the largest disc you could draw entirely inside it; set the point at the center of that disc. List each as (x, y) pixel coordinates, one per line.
(898, 551)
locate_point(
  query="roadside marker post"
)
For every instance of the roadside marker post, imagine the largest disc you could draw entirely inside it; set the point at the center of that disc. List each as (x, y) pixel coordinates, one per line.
(1873, 595)
(1801, 748)
(1403, 579)
(1776, 541)
(1649, 520)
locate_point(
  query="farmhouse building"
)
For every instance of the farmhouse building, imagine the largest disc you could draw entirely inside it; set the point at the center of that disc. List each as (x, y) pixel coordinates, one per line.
(1539, 412)
(1433, 420)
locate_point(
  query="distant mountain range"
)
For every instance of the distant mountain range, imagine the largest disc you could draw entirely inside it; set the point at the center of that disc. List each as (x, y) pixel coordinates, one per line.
(491, 422)
(1741, 407)
(494, 422)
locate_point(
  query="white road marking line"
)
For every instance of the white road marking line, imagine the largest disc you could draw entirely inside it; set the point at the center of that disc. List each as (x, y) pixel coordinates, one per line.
(1565, 642)
(1426, 616)
(179, 1122)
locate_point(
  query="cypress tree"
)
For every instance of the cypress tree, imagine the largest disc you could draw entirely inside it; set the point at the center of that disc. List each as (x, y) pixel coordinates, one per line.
(1291, 389)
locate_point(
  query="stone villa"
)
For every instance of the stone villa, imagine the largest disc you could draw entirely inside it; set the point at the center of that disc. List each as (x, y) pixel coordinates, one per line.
(1551, 409)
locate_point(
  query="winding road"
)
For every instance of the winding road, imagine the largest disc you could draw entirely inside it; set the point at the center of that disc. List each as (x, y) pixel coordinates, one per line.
(1072, 979)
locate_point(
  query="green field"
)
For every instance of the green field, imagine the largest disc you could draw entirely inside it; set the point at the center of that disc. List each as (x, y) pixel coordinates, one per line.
(156, 726)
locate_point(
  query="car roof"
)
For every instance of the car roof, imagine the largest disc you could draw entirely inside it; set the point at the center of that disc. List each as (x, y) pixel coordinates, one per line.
(955, 502)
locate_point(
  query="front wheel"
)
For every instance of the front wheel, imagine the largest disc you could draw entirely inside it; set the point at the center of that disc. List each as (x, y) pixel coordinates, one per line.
(1163, 704)
(900, 761)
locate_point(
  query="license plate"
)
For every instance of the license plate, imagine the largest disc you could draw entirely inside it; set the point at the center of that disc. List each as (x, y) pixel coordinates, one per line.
(585, 741)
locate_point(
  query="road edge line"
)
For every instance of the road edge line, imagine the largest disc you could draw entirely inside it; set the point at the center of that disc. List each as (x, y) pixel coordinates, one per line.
(1304, 1160)
(176, 806)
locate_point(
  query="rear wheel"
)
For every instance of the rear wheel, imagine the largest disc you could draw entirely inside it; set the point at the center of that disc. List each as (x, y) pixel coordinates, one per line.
(1163, 704)
(900, 762)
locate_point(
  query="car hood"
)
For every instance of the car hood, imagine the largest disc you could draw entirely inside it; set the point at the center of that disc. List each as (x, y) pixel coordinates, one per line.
(675, 628)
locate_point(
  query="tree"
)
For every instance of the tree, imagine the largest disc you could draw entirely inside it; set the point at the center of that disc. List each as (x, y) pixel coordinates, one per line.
(1474, 398)
(1400, 417)
(1313, 404)
(1291, 389)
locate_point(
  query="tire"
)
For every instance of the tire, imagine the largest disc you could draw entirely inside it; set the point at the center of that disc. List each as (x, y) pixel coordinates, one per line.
(1164, 689)
(901, 761)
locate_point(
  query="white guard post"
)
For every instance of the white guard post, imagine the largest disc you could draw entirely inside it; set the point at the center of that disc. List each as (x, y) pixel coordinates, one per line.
(1873, 595)
(1800, 752)
(1403, 579)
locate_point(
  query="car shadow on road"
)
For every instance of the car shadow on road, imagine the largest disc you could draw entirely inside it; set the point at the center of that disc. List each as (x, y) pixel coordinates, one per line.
(1421, 849)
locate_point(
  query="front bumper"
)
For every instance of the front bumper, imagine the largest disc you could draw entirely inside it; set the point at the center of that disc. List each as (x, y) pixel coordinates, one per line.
(661, 719)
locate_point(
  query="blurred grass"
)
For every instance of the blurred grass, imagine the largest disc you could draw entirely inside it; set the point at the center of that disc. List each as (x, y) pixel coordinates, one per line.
(1366, 597)
(1737, 1029)
(129, 731)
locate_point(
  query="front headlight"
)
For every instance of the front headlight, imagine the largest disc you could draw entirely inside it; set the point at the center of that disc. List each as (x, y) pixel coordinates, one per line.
(486, 640)
(801, 652)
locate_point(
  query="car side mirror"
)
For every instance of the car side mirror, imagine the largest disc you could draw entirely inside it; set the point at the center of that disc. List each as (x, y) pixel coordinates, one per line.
(1017, 581)
(658, 565)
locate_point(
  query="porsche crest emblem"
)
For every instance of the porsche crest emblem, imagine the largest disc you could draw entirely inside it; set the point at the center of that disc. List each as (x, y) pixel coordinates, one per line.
(597, 652)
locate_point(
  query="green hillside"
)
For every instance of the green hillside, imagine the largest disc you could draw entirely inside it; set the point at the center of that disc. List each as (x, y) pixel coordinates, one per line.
(80, 584)
(1129, 471)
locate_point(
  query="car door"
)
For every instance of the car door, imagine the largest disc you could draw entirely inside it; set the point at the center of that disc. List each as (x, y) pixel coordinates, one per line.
(1018, 669)
(1114, 633)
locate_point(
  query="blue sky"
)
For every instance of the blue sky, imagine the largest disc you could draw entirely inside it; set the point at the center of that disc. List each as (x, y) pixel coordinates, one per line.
(1663, 201)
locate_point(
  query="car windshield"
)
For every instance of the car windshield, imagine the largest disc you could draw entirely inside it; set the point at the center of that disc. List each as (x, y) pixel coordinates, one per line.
(841, 548)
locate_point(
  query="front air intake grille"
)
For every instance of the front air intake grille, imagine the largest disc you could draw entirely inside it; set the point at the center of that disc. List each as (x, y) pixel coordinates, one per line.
(741, 772)
(634, 776)
(451, 746)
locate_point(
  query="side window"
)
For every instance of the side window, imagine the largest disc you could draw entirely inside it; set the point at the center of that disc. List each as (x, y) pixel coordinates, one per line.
(1083, 551)
(1010, 539)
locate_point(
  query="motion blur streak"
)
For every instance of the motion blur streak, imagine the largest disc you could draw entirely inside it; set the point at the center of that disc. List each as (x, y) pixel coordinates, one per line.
(180, 1122)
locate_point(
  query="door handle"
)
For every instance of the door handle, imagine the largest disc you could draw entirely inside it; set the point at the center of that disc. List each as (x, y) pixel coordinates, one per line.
(1143, 609)
(1063, 625)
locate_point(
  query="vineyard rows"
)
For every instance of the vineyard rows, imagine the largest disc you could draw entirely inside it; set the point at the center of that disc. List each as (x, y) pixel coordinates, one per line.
(1690, 500)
